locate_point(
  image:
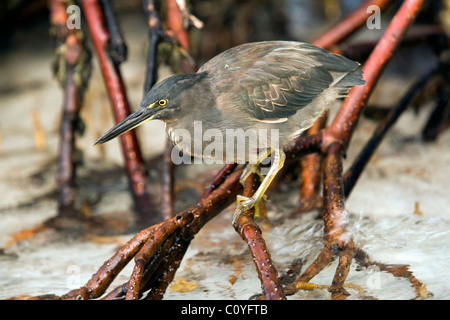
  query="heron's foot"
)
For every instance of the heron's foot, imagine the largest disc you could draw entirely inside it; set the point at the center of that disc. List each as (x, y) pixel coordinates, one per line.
(244, 204)
(250, 169)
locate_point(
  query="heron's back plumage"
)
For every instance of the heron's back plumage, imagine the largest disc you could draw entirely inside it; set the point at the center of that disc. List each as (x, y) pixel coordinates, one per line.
(279, 85)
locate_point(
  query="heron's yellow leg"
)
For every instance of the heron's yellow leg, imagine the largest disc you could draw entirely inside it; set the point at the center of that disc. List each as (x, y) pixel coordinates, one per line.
(258, 206)
(254, 167)
(245, 203)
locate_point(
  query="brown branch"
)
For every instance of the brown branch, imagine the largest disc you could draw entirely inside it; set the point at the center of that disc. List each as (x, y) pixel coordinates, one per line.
(345, 121)
(166, 270)
(175, 23)
(397, 270)
(72, 68)
(311, 171)
(433, 36)
(185, 225)
(311, 164)
(156, 34)
(218, 178)
(188, 223)
(358, 165)
(167, 182)
(155, 37)
(161, 234)
(335, 218)
(335, 139)
(251, 234)
(101, 280)
(117, 47)
(331, 141)
(117, 94)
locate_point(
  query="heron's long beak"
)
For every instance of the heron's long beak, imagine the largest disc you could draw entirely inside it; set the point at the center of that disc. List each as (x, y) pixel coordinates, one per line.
(135, 119)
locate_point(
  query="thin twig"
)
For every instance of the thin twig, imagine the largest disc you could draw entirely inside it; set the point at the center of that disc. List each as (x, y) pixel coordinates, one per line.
(335, 140)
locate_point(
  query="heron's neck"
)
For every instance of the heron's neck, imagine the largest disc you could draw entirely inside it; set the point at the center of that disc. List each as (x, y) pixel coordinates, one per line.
(195, 102)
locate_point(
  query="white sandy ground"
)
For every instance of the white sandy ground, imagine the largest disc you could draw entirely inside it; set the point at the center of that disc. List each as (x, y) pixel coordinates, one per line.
(404, 172)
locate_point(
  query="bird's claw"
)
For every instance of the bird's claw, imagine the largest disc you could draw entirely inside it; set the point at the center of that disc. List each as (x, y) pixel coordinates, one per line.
(243, 204)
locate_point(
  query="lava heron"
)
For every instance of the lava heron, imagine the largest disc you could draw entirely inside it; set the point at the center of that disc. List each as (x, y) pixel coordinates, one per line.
(246, 104)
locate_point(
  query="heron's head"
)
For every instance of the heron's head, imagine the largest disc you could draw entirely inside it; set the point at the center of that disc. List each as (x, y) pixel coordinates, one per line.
(167, 100)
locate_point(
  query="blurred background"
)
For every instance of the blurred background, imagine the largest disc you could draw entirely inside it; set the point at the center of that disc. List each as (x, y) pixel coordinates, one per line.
(399, 208)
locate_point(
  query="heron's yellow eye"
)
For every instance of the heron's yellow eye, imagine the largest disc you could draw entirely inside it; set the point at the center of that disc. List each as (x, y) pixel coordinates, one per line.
(162, 102)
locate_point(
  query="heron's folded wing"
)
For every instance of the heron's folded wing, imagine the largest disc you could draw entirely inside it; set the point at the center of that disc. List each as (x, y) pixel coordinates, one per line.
(272, 80)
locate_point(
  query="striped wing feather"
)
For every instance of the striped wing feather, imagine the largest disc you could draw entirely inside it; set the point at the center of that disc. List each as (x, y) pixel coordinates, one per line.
(274, 79)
